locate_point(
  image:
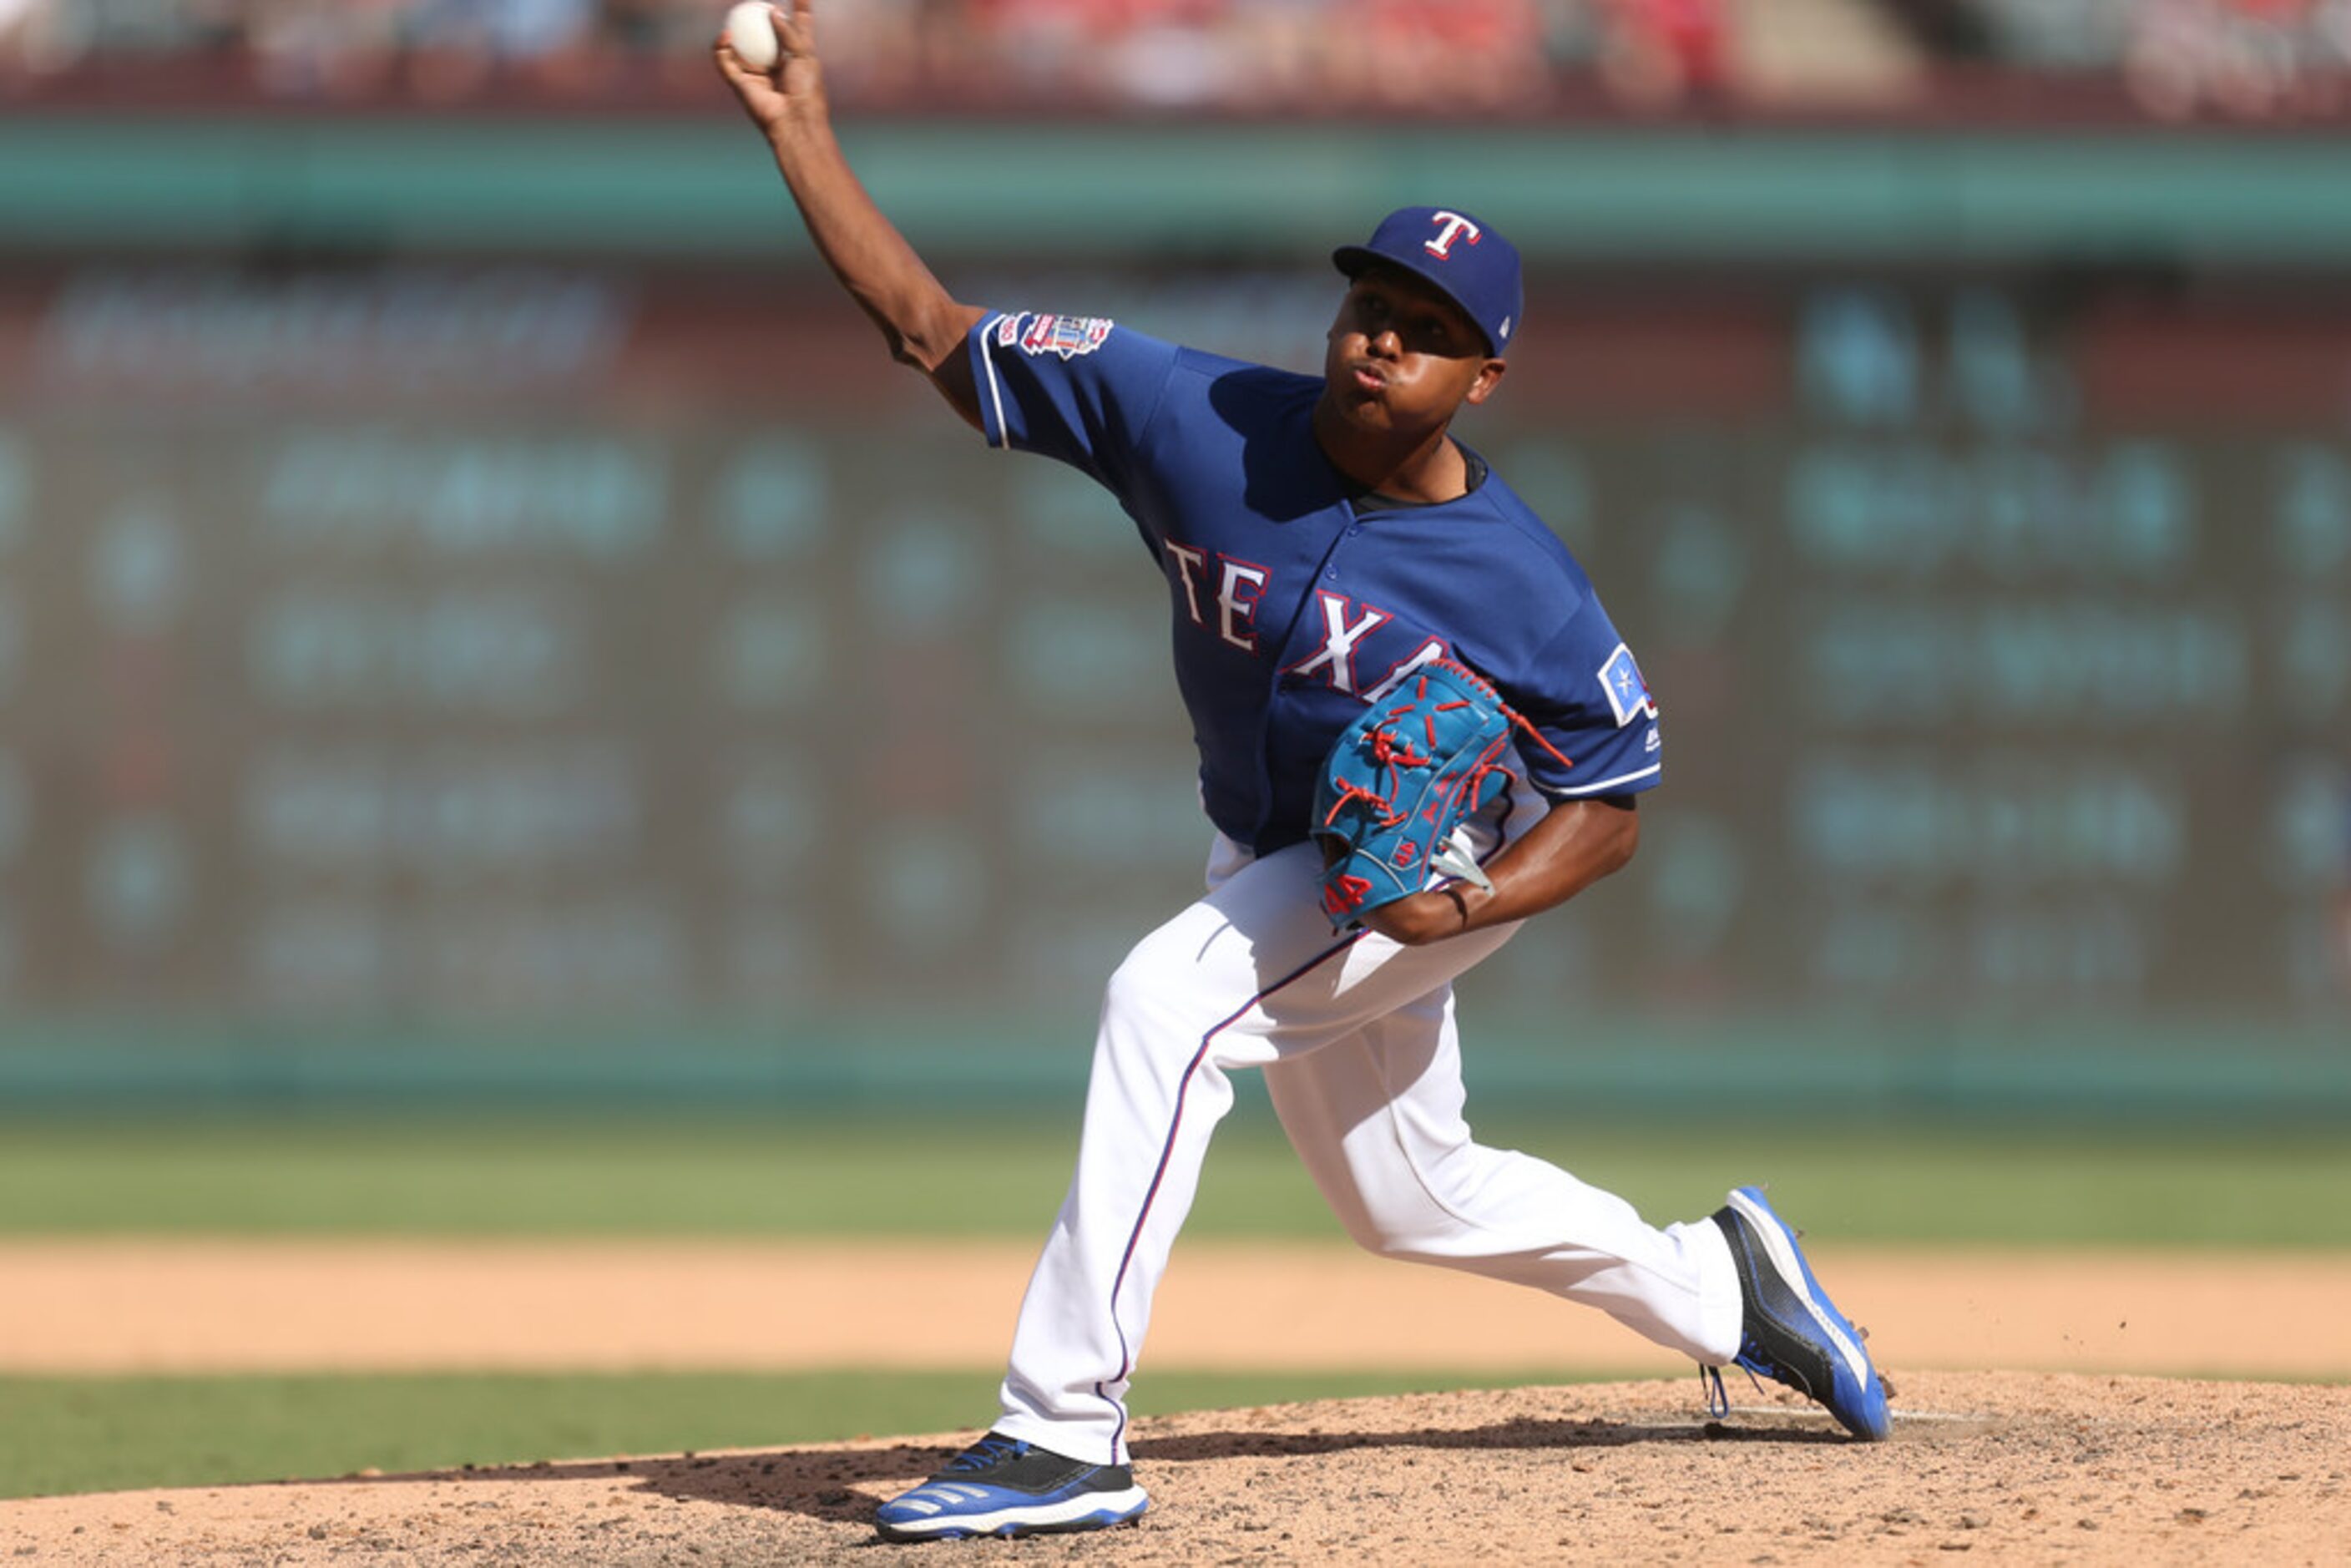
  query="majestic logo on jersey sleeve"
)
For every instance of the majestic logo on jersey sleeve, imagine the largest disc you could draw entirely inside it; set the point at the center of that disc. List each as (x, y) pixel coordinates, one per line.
(1068, 336)
(1629, 694)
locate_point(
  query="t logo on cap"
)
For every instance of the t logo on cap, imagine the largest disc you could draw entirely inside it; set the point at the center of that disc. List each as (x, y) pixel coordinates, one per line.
(1454, 227)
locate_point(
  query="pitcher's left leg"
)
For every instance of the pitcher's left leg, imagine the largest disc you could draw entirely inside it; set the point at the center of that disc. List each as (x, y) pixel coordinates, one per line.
(1377, 1119)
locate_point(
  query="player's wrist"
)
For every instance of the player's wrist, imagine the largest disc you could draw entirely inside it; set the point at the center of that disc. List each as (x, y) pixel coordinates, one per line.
(802, 118)
(1466, 898)
(798, 101)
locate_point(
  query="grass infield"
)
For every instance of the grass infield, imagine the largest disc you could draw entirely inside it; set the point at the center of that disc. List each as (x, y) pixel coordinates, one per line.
(81, 1435)
(987, 1178)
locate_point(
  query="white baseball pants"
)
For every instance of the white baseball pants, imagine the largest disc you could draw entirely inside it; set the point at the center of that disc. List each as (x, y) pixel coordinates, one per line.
(1355, 1035)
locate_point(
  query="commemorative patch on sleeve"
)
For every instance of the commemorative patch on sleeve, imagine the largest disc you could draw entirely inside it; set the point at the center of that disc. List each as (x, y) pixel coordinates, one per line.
(1068, 336)
(1629, 694)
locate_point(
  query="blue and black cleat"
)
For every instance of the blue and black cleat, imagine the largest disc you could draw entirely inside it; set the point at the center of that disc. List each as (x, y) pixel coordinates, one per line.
(1001, 1486)
(1793, 1332)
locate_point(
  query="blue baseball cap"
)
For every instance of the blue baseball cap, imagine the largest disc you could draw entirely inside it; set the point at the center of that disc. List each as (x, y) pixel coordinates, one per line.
(1470, 264)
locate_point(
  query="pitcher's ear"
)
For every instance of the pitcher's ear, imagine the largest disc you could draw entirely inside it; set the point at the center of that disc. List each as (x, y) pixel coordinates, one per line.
(1489, 376)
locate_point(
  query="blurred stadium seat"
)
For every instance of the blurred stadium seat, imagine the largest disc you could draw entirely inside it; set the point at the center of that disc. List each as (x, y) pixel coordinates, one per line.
(2237, 58)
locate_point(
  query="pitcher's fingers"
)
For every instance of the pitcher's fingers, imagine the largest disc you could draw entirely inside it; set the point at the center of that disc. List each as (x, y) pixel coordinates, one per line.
(730, 63)
(795, 29)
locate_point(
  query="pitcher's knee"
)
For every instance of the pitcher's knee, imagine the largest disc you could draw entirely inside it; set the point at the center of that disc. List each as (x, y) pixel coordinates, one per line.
(1151, 985)
(1379, 1241)
(1408, 1215)
(1131, 988)
(1410, 1232)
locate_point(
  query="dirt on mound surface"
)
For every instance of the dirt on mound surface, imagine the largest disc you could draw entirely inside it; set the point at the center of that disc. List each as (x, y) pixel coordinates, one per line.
(2004, 1467)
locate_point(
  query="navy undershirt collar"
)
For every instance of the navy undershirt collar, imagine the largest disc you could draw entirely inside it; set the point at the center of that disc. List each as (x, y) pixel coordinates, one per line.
(1475, 475)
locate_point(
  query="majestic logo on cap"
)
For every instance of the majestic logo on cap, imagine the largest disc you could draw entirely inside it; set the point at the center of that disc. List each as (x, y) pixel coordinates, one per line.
(1450, 228)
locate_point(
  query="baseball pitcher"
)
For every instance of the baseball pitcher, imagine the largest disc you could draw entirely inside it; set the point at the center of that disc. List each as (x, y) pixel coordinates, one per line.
(1417, 729)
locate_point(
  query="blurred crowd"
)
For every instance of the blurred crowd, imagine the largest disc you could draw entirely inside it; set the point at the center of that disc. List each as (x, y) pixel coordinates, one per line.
(2248, 59)
(2242, 58)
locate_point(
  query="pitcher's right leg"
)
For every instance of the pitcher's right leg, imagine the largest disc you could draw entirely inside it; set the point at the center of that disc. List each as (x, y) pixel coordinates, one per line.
(1181, 1013)
(1250, 975)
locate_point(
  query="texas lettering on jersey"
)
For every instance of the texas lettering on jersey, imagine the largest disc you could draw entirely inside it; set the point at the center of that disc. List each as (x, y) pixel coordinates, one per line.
(1221, 595)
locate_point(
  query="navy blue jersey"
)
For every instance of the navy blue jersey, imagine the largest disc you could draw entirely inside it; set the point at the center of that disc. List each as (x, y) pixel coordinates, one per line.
(1292, 608)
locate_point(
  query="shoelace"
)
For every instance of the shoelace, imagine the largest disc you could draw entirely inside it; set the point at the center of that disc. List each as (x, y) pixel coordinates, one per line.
(1751, 1360)
(987, 1452)
(1718, 1398)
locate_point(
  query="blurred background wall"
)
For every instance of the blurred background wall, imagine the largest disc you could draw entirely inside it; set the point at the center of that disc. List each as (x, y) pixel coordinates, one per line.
(481, 621)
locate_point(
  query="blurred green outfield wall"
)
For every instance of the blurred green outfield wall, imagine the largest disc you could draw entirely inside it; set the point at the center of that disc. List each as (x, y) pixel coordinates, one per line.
(480, 620)
(700, 187)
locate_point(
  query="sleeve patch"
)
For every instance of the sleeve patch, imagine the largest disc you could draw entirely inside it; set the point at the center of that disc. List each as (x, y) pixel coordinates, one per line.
(1629, 694)
(1067, 336)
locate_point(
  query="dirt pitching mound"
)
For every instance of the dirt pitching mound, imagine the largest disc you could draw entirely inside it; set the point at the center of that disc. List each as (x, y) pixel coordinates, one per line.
(2008, 1466)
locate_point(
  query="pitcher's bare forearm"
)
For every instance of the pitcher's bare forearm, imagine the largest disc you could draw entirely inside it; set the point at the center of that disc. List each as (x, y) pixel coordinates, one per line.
(923, 323)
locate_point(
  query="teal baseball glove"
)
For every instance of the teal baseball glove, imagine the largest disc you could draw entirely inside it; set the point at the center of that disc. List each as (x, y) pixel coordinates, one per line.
(1393, 795)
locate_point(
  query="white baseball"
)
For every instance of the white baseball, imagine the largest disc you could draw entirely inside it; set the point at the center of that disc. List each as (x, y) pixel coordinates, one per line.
(752, 34)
